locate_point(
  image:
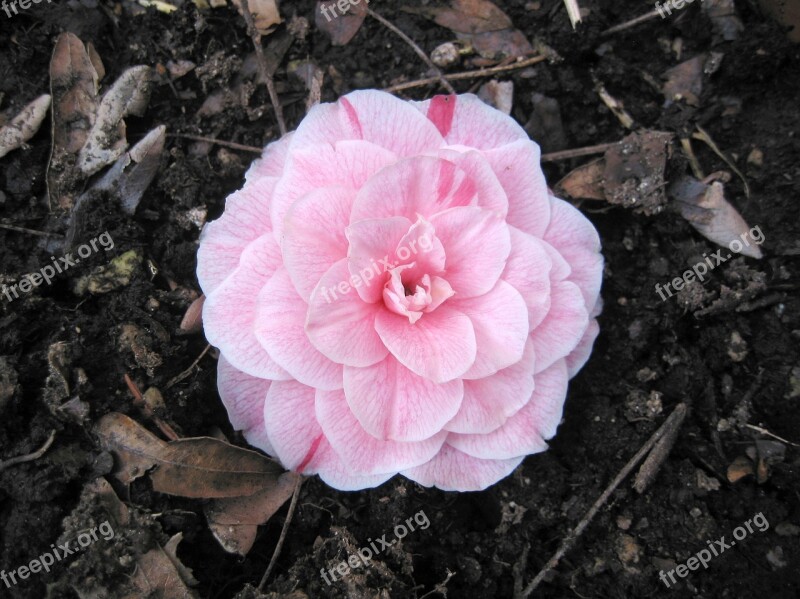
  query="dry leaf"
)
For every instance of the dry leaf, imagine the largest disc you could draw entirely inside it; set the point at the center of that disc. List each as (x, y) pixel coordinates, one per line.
(73, 86)
(199, 467)
(585, 182)
(234, 522)
(340, 27)
(265, 13)
(106, 141)
(24, 126)
(499, 94)
(193, 319)
(156, 576)
(707, 210)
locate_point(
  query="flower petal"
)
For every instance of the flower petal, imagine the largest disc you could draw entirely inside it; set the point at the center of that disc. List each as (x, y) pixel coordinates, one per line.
(564, 326)
(528, 271)
(280, 328)
(371, 252)
(362, 452)
(440, 346)
(271, 163)
(342, 325)
(229, 312)
(291, 424)
(244, 396)
(391, 402)
(453, 470)
(580, 355)
(525, 432)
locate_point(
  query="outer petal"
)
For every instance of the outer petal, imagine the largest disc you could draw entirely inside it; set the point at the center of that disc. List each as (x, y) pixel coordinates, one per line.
(488, 402)
(337, 474)
(342, 325)
(477, 243)
(314, 236)
(500, 320)
(525, 432)
(280, 328)
(229, 312)
(519, 170)
(528, 271)
(272, 161)
(440, 346)
(580, 355)
(576, 239)
(362, 452)
(467, 120)
(452, 470)
(391, 402)
(244, 396)
(563, 327)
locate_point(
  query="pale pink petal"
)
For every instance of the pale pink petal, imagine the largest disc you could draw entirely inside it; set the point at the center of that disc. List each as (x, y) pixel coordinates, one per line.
(246, 218)
(422, 247)
(528, 271)
(393, 403)
(418, 186)
(563, 327)
(371, 252)
(488, 188)
(342, 325)
(519, 170)
(477, 243)
(229, 312)
(453, 470)
(244, 396)
(314, 237)
(440, 346)
(345, 164)
(467, 120)
(580, 355)
(280, 328)
(561, 269)
(488, 402)
(500, 320)
(362, 452)
(577, 241)
(525, 432)
(272, 161)
(291, 424)
(336, 473)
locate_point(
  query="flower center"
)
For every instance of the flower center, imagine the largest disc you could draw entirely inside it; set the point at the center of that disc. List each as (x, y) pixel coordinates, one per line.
(411, 293)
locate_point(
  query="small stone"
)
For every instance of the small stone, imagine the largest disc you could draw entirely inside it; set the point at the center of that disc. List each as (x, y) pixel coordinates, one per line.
(695, 512)
(775, 558)
(787, 529)
(705, 482)
(624, 522)
(756, 157)
(737, 347)
(445, 55)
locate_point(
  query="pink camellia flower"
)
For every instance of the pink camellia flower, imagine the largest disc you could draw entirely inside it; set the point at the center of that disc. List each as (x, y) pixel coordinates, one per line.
(394, 290)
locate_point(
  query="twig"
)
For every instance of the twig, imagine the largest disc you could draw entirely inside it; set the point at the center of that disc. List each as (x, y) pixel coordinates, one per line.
(177, 379)
(467, 74)
(632, 23)
(219, 142)
(139, 402)
(764, 431)
(29, 231)
(439, 77)
(574, 12)
(440, 588)
(578, 152)
(651, 466)
(262, 65)
(282, 538)
(678, 414)
(31, 456)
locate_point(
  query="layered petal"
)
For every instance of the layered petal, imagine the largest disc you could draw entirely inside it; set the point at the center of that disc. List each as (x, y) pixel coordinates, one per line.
(564, 326)
(580, 355)
(243, 397)
(528, 271)
(371, 252)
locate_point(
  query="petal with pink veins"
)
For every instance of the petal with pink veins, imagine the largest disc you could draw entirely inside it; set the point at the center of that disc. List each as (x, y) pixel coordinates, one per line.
(243, 397)
(342, 325)
(280, 328)
(477, 244)
(453, 470)
(525, 432)
(500, 320)
(564, 326)
(528, 271)
(491, 194)
(393, 403)
(490, 401)
(272, 161)
(362, 452)
(314, 237)
(371, 252)
(580, 355)
(440, 346)
(229, 312)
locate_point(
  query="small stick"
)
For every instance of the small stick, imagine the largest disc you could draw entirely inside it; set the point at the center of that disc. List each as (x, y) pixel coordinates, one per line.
(31, 456)
(282, 538)
(440, 588)
(573, 11)
(262, 65)
(29, 231)
(467, 74)
(188, 371)
(439, 77)
(651, 466)
(578, 152)
(764, 431)
(219, 142)
(632, 23)
(678, 414)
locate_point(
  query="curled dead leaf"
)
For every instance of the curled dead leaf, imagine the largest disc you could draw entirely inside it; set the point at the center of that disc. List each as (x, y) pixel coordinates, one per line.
(265, 13)
(340, 27)
(24, 126)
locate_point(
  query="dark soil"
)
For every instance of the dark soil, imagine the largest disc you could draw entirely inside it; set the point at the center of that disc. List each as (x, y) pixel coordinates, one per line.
(736, 365)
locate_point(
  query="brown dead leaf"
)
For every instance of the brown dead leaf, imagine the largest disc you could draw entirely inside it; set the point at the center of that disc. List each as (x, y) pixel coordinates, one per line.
(340, 27)
(265, 13)
(193, 318)
(24, 126)
(156, 576)
(499, 94)
(199, 467)
(234, 522)
(585, 182)
(707, 210)
(73, 86)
